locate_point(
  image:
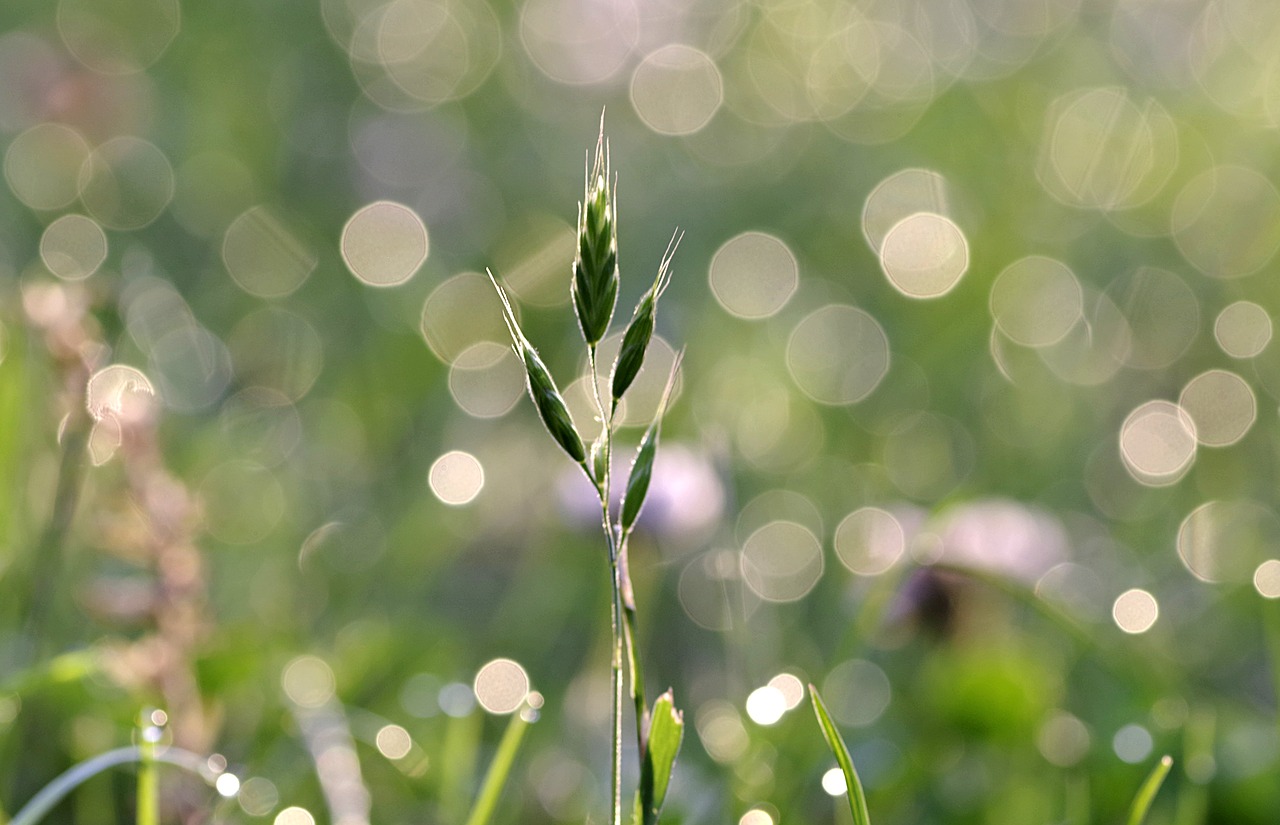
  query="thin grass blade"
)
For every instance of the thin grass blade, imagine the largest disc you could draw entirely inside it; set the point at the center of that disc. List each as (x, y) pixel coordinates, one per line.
(857, 798)
(1147, 793)
(53, 793)
(495, 779)
(148, 802)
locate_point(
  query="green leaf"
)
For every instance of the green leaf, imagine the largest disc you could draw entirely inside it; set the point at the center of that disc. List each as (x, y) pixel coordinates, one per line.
(857, 799)
(1147, 793)
(666, 732)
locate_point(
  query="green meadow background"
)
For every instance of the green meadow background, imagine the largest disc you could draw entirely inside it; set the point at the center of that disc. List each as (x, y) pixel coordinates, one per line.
(975, 427)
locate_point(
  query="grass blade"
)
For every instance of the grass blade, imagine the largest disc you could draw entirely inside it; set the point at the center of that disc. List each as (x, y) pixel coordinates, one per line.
(53, 793)
(666, 732)
(495, 779)
(1147, 793)
(148, 803)
(857, 799)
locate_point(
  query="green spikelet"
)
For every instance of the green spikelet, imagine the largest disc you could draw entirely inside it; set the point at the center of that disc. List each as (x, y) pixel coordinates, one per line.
(642, 466)
(635, 341)
(542, 388)
(595, 266)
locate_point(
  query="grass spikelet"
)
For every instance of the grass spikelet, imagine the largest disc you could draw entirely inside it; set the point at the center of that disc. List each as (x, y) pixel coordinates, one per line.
(635, 341)
(595, 266)
(642, 466)
(542, 387)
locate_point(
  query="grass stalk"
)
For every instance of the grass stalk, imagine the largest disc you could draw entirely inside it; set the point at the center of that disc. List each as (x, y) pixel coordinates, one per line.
(53, 793)
(1147, 793)
(495, 779)
(618, 642)
(148, 802)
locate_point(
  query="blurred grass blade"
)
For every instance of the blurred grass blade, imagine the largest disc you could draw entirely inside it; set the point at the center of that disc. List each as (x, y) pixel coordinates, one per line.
(53, 793)
(495, 779)
(857, 799)
(665, 735)
(1147, 793)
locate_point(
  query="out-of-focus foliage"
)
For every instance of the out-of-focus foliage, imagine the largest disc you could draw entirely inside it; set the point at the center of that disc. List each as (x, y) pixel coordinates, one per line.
(976, 429)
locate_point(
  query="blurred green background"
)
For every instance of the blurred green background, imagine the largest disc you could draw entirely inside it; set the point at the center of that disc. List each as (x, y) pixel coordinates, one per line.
(975, 430)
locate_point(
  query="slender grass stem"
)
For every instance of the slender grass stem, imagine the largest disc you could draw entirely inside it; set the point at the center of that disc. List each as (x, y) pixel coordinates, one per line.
(1147, 793)
(615, 585)
(496, 777)
(53, 793)
(148, 802)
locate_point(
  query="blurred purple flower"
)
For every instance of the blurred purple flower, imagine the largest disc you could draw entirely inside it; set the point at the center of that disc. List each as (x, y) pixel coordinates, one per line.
(685, 499)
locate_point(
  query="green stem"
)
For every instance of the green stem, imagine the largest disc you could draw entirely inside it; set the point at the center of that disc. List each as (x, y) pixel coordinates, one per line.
(615, 607)
(1147, 793)
(148, 802)
(633, 653)
(496, 777)
(53, 793)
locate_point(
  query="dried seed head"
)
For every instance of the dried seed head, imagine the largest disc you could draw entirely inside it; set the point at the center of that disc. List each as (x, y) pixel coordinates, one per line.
(642, 466)
(635, 341)
(595, 266)
(542, 388)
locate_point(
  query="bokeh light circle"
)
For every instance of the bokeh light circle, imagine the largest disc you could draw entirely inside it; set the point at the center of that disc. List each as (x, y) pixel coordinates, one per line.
(126, 183)
(308, 681)
(857, 692)
(677, 89)
(1135, 611)
(924, 255)
(869, 541)
(73, 247)
(487, 379)
(1224, 540)
(1226, 221)
(579, 41)
(1158, 443)
(461, 312)
(384, 243)
(898, 197)
(1243, 329)
(501, 686)
(1221, 404)
(264, 255)
(42, 165)
(118, 36)
(1266, 579)
(456, 477)
(838, 354)
(782, 561)
(1104, 151)
(1035, 301)
(753, 275)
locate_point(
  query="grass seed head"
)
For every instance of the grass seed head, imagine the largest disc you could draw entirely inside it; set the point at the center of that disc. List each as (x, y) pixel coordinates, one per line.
(642, 466)
(542, 387)
(595, 266)
(635, 341)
